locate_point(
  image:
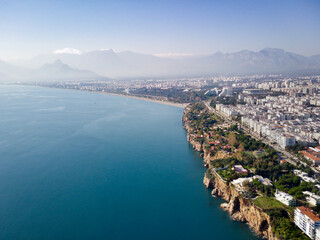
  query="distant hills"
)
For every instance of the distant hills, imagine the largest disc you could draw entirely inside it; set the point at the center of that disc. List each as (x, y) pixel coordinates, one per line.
(59, 70)
(49, 72)
(74, 64)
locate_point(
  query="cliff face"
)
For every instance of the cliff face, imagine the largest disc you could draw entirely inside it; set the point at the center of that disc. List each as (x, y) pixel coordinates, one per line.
(242, 209)
(208, 182)
(197, 145)
(239, 208)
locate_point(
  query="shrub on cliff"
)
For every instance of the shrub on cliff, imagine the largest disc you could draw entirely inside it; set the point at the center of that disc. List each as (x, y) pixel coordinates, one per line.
(209, 174)
(287, 230)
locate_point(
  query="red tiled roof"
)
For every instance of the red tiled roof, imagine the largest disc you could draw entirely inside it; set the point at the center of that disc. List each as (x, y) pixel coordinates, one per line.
(309, 155)
(308, 212)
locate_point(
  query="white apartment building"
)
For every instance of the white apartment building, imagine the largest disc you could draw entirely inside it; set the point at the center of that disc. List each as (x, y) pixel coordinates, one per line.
(304, 176)
(308, 221)
(226, 91)
(285, 198)
(226, 110)
(312, 198)
(317, 234)
(286, 140)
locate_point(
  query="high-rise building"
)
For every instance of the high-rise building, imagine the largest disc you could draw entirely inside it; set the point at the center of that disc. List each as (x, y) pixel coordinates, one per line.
(308, 221)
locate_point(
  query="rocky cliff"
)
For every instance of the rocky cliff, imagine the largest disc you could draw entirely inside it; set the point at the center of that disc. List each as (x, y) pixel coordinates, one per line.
(242, 209)
(196, 145)
(239, 208)
(208, 182)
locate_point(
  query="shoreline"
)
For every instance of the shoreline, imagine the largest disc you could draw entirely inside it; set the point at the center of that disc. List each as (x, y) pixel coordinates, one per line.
(173, 104)
(238, 207)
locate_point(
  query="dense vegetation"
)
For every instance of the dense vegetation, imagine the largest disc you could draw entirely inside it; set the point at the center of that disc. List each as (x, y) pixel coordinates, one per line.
(173, 94)
(283, 226)
(294, 186)
(201, 122)
(223, 100)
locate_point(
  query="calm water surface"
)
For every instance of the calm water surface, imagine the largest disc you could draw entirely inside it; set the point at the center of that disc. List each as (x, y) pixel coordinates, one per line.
(78, 165)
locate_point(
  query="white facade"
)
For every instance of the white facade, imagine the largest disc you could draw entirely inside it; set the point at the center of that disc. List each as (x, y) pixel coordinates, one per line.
(226, 91)
(312, 198)
(264, 181)
(285, 198)
(307, 221)
(287, 140)
(304, 176)
(226, 110)
(317, 234)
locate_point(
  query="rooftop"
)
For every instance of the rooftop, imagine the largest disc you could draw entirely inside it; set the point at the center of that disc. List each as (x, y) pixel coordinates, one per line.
(311, 156)
(309, 213)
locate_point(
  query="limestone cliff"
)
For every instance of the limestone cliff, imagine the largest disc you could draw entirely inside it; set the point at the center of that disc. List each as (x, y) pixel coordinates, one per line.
(239, 208)
(197, 145)
(242, 209)
(208, 182)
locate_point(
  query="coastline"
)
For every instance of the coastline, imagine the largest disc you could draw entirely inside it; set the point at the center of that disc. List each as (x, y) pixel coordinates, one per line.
(173, 104)
(202, 208)
(238, 206)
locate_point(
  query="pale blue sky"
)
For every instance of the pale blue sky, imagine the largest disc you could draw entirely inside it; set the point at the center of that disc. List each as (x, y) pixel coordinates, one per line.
(30, 27)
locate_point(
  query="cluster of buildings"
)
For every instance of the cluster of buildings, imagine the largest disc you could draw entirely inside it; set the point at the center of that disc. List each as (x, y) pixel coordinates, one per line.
(304, 218)
(282, 119)
(312, 154)
(294, 86)
(241, 183)
(311, 198)
(304, 176)
(227, 110)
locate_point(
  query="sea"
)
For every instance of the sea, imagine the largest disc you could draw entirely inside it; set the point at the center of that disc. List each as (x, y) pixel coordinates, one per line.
(84, 165)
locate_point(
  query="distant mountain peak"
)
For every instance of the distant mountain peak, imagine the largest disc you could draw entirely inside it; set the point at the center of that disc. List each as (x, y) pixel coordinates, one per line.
(272, 50)
(58, 62)
(245, 51)
(106, 50)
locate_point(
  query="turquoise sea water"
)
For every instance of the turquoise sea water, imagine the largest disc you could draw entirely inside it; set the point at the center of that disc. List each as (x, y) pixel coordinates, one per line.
(79, 165)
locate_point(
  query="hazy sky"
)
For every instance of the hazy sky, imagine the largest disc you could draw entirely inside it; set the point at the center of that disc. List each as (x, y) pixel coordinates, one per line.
(28, 27)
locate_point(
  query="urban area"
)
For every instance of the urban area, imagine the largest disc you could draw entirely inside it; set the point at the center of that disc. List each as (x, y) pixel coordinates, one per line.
(259, 137)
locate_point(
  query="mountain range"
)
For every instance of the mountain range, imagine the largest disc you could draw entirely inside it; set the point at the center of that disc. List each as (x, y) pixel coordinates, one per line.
(100, 64)
(49, 72)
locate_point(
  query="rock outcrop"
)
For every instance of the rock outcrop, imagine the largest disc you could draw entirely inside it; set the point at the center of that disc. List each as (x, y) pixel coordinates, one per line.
(243, 209)
(208, 182)
(197, 145)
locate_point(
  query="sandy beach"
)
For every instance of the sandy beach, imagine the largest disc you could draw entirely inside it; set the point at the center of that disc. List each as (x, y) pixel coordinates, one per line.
(179, 105)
